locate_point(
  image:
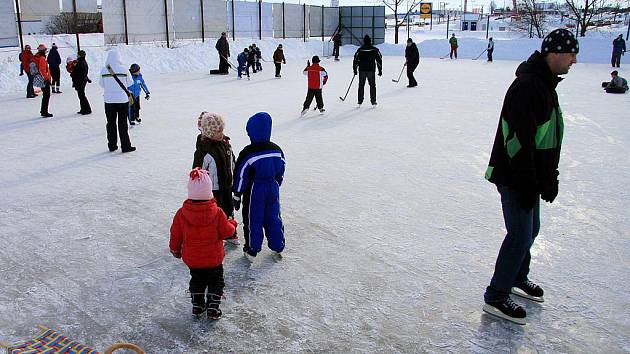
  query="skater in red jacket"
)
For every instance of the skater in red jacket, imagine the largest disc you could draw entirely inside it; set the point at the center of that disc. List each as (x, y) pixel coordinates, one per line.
(317, 78)
(197, 235)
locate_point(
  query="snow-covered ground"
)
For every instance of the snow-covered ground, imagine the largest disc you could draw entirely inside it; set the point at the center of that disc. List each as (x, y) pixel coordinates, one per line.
(392, 232)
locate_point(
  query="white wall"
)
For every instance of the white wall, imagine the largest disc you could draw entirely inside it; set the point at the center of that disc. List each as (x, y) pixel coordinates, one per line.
(246, 18)
(88, 6)
(38, 8)
(8, 26)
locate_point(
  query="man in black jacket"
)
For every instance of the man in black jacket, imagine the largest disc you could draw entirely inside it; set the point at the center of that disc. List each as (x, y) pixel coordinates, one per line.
(524, 167)
(223, 47)
(54, 61)
(366, 60)
(79, 80)
(412, 58)
(336, 44)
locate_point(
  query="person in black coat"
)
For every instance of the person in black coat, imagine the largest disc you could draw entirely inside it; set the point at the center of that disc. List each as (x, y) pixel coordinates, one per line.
(336, 44)
(79, 80)
(251, 58)
(54, 61)
(366, 60)
(412, 58)
(223, 47)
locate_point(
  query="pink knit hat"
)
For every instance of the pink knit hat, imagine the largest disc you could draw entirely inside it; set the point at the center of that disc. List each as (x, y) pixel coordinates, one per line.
(211, 125)
(199, 185)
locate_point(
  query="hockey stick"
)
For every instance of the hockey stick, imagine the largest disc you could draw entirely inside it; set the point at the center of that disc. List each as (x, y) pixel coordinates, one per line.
(479, 56)
(447, 54)
(351, 81)
(401, 71)
(232, 66)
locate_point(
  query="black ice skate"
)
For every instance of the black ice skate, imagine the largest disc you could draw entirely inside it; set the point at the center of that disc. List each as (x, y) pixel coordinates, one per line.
(508, 310)
(529, 290)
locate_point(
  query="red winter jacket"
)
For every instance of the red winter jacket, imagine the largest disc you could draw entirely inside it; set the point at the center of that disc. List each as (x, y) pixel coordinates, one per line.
(42, 65)
(197, 233)
(317, 76)
(27, 57)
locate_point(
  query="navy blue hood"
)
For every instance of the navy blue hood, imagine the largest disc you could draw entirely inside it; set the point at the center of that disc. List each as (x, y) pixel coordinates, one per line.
(259, 127)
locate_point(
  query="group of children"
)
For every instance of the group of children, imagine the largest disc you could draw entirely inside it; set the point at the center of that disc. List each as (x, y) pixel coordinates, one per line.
(217, 186)
(250, 57)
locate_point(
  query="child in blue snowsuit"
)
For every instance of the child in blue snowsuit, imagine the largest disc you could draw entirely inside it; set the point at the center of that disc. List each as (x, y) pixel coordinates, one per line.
(242, 63)
(135, 89)
(257, 178)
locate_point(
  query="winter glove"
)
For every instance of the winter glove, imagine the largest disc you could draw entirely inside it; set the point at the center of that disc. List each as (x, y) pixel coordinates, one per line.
(236, 199)
(176, 254)
(527, 198)
(147, 96)
(550, 194)
(89, 81)
(284, 61)
(355, 71)
(233, 222)
(380, 73)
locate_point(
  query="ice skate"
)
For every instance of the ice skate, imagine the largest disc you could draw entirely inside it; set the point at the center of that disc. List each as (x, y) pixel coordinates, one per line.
(529, 290)
(507, 310)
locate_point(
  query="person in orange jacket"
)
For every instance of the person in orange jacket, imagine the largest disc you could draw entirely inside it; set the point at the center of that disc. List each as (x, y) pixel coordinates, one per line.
(26, 57)
(197, 235)
(317, 78)
(42, 66)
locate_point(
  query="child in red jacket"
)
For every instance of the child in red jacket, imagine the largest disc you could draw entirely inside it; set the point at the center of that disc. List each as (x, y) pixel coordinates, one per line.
(317, 78)
(197, 235)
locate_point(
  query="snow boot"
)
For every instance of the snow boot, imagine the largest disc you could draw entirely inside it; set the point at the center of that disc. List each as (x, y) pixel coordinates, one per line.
(304, 111)
(199, 306)
(529, 290)
(214, 312)
(507, 309)
(249, 257)
(322, 110)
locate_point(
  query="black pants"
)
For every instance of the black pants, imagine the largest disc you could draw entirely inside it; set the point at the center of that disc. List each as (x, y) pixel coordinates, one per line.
(134, 109)
(210, 279)
(317, 93)
(370, 76)
(410, 69)
(251, 65)
(278, 67)
(83, 101)
(56, 76)
(490, 54)
(30, 91)
(116, 114)
(45, 98)
(616, 59)
(223, 65)
(335, 52)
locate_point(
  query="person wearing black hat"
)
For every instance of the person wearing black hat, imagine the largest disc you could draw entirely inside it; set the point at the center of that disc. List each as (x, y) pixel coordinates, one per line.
(54, 61)
(524, 167)
(223, 48)
(412, 59)
(366, 60)
(80, 80)
(317, 78)
(619, 48)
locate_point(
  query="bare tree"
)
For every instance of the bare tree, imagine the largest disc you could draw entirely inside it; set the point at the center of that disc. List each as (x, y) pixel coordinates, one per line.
(583, 11)
(397, 7)
(69, 22)
(532, 17)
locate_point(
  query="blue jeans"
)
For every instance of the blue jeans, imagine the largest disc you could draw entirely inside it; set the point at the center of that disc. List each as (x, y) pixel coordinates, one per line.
(512, 265)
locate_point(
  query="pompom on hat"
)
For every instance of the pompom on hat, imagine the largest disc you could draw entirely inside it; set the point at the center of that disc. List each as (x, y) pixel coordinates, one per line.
(199, 185)
(211, 125)
(560, 41)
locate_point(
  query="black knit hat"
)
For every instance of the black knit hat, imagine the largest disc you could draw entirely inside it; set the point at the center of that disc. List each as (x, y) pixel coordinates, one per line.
(315, 59)
(560, 41)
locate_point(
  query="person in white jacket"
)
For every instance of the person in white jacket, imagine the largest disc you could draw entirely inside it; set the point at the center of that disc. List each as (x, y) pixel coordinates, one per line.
(116, 102)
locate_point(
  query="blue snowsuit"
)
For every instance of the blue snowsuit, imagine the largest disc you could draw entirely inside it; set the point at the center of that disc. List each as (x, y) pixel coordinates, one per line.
(258, 176)
(135, 89)
(242, 64)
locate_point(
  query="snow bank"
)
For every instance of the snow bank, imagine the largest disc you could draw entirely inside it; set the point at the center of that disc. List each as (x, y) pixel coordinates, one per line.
(197, 56)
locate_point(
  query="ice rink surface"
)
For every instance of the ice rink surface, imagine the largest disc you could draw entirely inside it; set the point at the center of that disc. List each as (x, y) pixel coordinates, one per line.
(392, 232)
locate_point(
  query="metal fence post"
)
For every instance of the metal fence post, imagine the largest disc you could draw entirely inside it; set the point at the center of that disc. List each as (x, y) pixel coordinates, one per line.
(448, 22)
(168, 45)
(260, 19)
(233, 23)
(322, 23)
(19, 21)
(75, 24)
(283, 29)
(304, 25)
(125, 16)
(203, 30)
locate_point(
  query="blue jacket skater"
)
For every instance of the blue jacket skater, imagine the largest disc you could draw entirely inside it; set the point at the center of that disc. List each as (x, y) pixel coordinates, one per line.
(242, 59)
(258, 176)
(138, 84)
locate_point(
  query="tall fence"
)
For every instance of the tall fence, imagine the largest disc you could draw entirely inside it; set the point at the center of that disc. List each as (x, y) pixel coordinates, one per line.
(134, 21)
